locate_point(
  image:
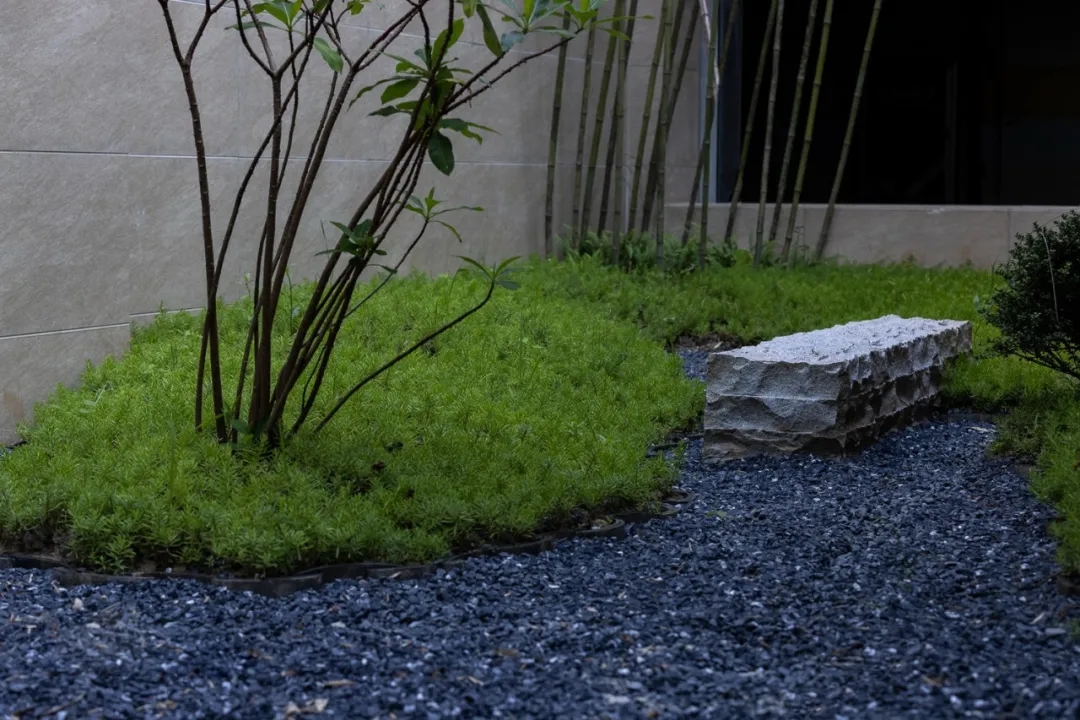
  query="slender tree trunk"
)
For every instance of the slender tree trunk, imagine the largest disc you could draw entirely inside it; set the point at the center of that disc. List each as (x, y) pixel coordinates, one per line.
(808, 134)
(670, 98)
(553, 147)
(590, 44)
(796, 111)
(617, 118)
(748, 132)
(704, 163)
(617, 149)
(667, 92)
(770, 117)
(826, 225)
(646, 118)
(598, 131)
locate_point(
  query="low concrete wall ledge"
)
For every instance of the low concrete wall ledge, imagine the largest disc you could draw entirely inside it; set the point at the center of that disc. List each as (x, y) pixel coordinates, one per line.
(929, 235)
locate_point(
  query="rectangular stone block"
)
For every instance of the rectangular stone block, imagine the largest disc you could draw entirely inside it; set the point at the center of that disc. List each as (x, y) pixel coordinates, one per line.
(828, 390)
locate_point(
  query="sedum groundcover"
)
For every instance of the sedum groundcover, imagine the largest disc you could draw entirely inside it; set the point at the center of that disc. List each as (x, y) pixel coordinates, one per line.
(531, 409)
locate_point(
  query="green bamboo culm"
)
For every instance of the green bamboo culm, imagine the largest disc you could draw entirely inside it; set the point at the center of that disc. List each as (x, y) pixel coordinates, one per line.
(583, 124)
(615, 137)
(646, 119)
(748, 132)
(662, 122)
(670, 99)
(712, 84)
(808, 133)
(553, 147)
(770, 117)
(619, 146)
(826, 225)
(704, 163)
(793, 124)
(598, 131)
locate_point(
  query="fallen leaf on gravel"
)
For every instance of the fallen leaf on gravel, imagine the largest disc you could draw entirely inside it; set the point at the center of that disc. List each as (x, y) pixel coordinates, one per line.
(314, 707)
(933, 681)
(337, 683)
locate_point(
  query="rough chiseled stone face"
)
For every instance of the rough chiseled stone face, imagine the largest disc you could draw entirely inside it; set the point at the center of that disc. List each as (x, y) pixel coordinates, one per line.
(828, 390)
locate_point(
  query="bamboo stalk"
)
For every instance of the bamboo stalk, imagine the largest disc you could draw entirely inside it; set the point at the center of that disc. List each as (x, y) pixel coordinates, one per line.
(808, 134)
(748, 133)
(796, 111)
(770, 117)
(701, 174)
(582, 125)
(598, 131)
(619, 146)
(617, 117)
(826, 225)
(670, 98)
(553, 144)
(663, 122)
(646, 118)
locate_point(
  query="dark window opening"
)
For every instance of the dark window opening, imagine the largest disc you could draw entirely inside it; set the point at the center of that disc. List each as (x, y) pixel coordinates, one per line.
(966, 102)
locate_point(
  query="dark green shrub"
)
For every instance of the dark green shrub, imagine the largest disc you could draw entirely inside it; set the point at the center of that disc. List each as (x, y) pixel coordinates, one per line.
(1037, 310)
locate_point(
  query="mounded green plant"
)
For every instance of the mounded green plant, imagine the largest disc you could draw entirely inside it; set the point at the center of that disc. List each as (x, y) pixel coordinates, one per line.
(538, 407)
(426, 91)
(1037, 309)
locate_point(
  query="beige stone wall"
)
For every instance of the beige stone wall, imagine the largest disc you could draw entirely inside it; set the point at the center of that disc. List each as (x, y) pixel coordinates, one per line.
(99, 213)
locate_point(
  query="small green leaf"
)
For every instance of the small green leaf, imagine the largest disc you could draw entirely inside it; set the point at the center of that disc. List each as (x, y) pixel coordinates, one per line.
(390, 110)
(482, 268)
(469, 7)
(441, 153)
(451, 228)
(405, 65)
(442, 45)
(508, 284)
(399, 89)
(491, 38)
(511, 39)
(278, 10)
(329, 54)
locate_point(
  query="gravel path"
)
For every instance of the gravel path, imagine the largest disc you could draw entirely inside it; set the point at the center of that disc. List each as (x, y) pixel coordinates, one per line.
(914, 580)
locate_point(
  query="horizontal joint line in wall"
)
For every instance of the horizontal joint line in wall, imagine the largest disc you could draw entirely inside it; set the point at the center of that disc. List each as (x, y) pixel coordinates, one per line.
(67, 331)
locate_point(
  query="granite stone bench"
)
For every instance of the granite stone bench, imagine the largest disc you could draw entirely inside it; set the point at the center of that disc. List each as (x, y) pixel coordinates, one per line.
(829, 390)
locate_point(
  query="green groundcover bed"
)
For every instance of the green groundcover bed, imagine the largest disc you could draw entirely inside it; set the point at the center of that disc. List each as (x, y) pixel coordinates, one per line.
(1041, 409)
(541, 404)
(531, 408)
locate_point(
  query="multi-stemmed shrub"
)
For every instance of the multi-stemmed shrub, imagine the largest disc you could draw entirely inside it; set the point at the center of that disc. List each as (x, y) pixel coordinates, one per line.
(274, 395)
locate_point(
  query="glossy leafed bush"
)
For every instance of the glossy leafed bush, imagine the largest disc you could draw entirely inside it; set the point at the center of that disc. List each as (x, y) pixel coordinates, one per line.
(1037, 309)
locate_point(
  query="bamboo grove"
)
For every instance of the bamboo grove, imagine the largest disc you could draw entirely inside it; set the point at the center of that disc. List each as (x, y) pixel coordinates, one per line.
(631, 184)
